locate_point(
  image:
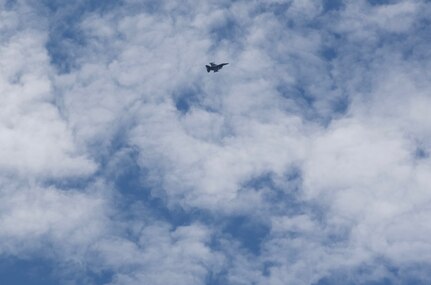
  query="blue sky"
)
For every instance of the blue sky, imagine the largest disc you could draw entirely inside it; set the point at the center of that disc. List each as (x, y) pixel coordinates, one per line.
(304, 161)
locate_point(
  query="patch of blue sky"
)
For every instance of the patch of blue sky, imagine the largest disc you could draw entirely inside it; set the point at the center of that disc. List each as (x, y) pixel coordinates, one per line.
(130, 180)
(217, 278)
(304, 102)
(415, 44)
(278, 9)
(150, 6)
(193, 97)
(136, 186)
(102, 156)
(284, 199)
(244, 229)
(380, 2)
(332, 5)
(266, 268)
(342, 280)
(65, 37)
(186, 98)
(329, 53)
(341, 105)
(297, 92)
(73, 9)
(29, 272)
(43, 271)
(184, 103)
(421, 153)
(229, 31)
(378, 273)
(247, 230)
(68, 183)
(9, 4)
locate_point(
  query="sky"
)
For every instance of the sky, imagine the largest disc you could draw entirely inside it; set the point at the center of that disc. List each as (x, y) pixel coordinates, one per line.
(304, 161)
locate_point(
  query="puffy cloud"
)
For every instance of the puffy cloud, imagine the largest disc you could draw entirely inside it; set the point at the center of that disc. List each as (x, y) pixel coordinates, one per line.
(164, 256)
(35, 139)
(37, 219)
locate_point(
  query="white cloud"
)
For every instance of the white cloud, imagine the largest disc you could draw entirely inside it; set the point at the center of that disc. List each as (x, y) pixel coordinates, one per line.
(361, 188)
(162, 256)
(359, 169)
(35, 140)
(37, 219)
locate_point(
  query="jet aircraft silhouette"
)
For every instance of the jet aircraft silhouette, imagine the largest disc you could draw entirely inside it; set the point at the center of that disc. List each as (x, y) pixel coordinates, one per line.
(215, 67)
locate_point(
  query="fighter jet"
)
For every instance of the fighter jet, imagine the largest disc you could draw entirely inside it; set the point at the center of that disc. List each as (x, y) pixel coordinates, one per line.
(215, 67)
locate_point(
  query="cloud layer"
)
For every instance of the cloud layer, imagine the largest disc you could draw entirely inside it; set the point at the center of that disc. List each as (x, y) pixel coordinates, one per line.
(304, 161)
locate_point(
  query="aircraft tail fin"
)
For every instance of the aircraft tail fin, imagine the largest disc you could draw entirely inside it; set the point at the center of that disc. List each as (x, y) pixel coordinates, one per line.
(208, 68)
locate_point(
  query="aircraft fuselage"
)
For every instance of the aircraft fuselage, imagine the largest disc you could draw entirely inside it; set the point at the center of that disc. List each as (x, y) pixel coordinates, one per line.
(215, 67)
